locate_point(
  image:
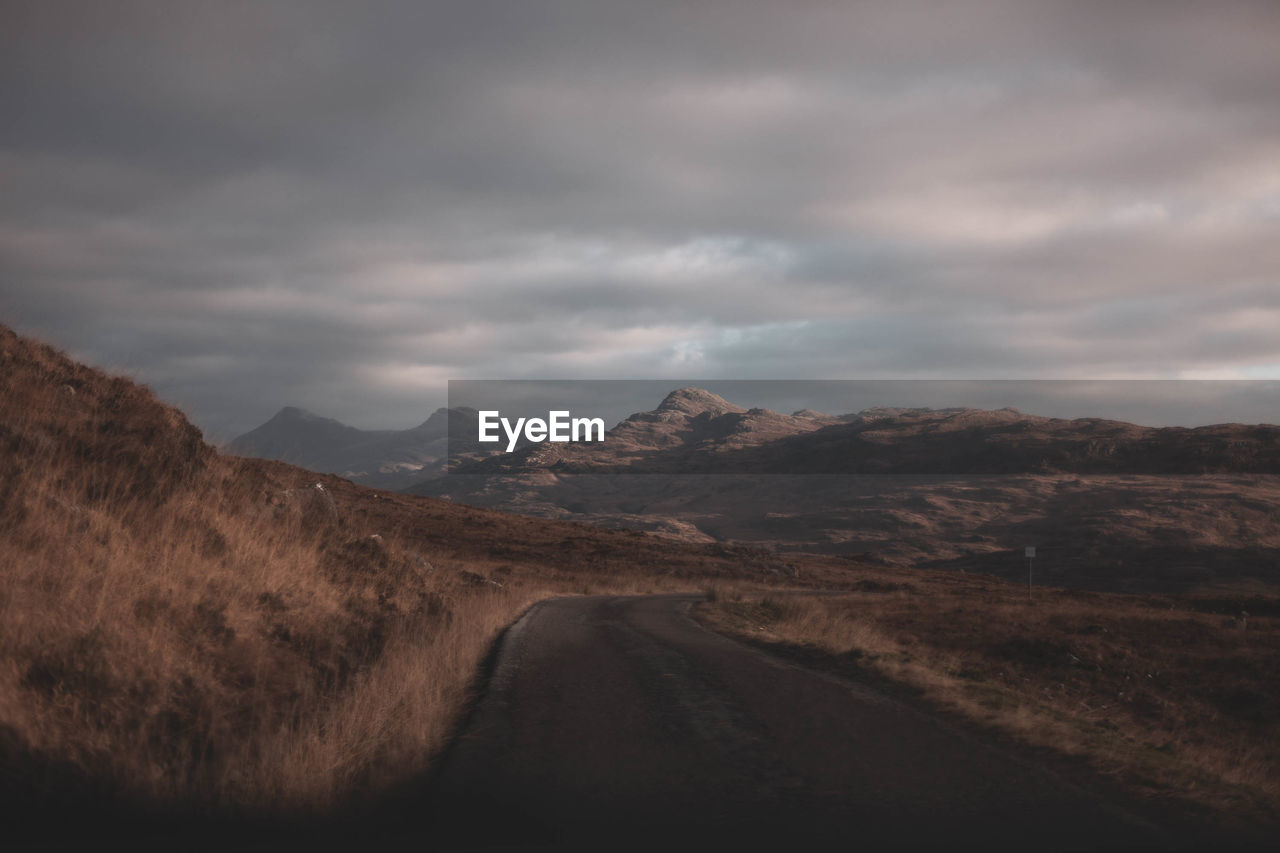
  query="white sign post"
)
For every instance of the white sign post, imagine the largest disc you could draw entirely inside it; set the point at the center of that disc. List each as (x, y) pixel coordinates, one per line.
(1030, 551)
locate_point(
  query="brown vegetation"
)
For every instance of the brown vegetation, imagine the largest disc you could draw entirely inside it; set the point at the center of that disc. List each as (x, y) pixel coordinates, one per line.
(1175, 695)
(193, 630)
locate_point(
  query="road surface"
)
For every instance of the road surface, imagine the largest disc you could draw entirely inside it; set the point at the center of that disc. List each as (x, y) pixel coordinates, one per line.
(619, 722)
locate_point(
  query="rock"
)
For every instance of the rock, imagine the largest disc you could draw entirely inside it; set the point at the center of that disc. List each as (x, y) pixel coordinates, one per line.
(478, 580)
(313, 506)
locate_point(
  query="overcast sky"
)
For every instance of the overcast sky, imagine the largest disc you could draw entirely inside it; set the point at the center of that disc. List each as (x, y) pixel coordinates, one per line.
(341, 206)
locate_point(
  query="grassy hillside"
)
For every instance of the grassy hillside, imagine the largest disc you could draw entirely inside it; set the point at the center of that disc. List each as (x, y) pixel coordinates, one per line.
(1176, 696)
(184, 628)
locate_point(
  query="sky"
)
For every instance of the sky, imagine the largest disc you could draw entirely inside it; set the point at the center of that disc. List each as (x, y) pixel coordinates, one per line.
(341, 206)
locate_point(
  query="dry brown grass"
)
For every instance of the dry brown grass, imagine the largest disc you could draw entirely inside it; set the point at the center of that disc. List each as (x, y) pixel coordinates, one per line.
(197, 631)
(1165, 693)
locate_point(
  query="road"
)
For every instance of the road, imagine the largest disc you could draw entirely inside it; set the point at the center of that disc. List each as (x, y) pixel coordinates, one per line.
(619, 722)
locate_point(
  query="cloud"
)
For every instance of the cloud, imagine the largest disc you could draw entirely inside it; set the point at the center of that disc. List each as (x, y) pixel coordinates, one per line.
(337, 206)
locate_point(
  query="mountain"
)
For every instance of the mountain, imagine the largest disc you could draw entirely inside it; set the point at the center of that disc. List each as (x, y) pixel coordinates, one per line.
(1110, 504)
(1003, 441)
(383, 458)
(693, 431)
(688, 424)
(296, 434)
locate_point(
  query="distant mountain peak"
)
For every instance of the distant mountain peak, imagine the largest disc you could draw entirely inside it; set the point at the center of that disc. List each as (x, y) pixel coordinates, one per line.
(296, 413)
(442, 417)
(286, 429)
(383, 458)
(697, 401)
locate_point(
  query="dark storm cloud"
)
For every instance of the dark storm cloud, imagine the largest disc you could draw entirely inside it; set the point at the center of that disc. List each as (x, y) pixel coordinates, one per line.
(342, 205)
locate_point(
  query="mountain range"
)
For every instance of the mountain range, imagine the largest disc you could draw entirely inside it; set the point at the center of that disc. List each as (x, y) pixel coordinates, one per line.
(695, 431)
(389, 459)
(1109, 504)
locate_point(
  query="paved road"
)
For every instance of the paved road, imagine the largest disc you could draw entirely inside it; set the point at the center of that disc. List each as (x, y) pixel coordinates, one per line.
(619, 721)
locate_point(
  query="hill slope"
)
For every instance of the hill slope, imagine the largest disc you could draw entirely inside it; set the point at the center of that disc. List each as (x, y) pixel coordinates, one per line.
(179, 626)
